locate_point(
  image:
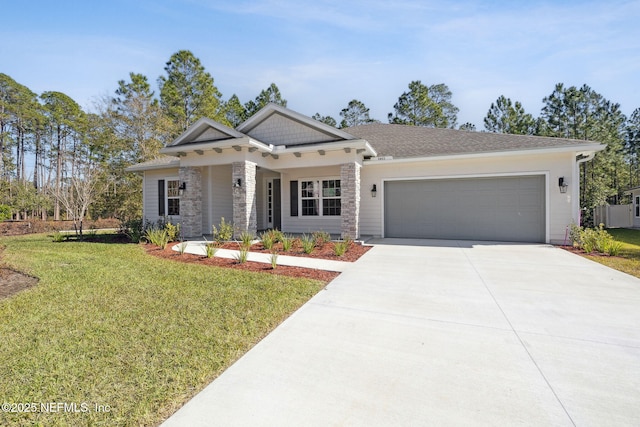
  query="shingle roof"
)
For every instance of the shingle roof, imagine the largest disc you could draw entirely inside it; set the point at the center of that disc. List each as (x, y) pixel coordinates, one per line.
(402, 141)
(157, 163)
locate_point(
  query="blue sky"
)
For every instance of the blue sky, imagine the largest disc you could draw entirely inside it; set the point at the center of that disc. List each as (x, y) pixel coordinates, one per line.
(324, 53)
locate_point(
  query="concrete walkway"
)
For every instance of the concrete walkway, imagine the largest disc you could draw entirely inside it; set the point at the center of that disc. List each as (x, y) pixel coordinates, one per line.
(445, 333)
(199, 248)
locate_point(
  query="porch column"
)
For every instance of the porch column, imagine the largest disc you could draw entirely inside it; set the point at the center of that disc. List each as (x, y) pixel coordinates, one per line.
(191, 202)
(350, 205)
(244, 197)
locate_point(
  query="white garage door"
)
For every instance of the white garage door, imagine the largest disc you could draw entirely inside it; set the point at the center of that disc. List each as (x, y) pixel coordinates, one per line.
(508, 209)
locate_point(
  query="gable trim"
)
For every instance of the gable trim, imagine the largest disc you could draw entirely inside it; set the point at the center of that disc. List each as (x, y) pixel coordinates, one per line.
(271, 109)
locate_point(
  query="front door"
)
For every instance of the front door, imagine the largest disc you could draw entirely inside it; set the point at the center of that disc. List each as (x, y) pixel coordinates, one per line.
(272, 203)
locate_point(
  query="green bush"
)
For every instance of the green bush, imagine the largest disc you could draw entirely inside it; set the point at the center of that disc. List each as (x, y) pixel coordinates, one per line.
(320, 238)
(57, 237)
(274, 260)
(246, 239)
(157, 236)
(340, 248)
(267, 239)
(224, 233)
(5, 212)
(614, 248)
(287, 242)
(133, 229)
(599, 240)
(242, 255)
(173, 231)
(211, 250)
(307, 243)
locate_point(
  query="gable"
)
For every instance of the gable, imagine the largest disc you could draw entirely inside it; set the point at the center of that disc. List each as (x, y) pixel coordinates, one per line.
(206, 130)
(280, 130)
(209, 135)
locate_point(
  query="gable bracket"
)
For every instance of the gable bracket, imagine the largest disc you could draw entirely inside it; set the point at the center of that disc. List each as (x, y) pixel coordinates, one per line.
(252, 149)
(199, 152)
(321, 152)
(217, 150)
(237, 147)
(297, 154)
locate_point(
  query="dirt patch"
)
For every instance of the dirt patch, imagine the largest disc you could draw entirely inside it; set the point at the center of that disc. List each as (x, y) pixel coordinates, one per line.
(354, 252)
(12, 282)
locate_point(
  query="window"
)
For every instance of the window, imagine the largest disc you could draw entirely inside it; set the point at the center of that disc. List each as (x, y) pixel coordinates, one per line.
(637, 206)
(331, 197)
(314, 194)
(173, 197)
(309, 197)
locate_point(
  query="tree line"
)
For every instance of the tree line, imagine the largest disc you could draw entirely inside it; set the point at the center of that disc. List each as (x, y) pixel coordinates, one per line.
(58, 161)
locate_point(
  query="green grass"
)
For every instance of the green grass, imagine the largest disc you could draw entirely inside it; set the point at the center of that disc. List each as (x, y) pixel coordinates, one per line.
(628, 260)
(110, 325)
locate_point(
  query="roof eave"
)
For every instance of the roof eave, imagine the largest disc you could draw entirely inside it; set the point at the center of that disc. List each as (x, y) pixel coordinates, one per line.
(578, 149)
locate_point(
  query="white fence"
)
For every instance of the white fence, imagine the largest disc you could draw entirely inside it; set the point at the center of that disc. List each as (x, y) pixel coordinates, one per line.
(614, 215)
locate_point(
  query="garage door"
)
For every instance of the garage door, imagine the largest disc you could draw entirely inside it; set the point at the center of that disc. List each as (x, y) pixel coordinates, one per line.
(499, 208)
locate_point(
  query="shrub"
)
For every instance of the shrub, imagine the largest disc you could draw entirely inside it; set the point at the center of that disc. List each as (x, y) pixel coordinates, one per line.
(246, 239)
(157, 236)
(173, 231)
(277, 235)
(182, 247)
(5, 212)
(274, 260)
(307, 243)
(614, 248)
(133, 229)
(57, 237)
(340, 248)
(574, 234)
(320, 238)
(224, 233)
(267, 240)
(287, 242)
(210, 250)
(242, 255)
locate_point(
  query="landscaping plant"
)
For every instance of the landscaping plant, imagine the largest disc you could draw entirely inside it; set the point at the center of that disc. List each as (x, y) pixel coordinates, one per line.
(320, 238)
(307, 243)
(224, 232)
(274, 260)
(287, 242)
(157, 236)
(246, 239)
(267, 240)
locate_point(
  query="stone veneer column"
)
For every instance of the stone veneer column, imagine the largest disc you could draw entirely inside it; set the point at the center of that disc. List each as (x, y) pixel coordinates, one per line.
(350, 206)
(191, 202)
(244, 197)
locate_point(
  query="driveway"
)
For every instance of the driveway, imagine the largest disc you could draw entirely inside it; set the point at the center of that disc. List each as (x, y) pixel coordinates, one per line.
(445, 333)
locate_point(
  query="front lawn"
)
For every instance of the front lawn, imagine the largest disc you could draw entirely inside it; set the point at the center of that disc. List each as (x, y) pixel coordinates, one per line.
(109, 325)
(628, 260)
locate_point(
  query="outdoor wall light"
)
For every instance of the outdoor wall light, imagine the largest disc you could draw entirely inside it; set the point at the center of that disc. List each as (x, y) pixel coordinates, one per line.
(183, 186)
(562, 184)
(237, 183)
(374, 191)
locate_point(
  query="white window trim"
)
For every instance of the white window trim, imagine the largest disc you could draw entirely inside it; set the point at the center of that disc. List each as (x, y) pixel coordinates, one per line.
(320, 197)
(166, 197)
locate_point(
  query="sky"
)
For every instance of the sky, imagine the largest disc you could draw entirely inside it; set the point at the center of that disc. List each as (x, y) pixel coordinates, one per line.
(324, 53)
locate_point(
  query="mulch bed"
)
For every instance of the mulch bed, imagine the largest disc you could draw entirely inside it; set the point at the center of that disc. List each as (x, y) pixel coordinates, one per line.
(578, 251)
(354, 252)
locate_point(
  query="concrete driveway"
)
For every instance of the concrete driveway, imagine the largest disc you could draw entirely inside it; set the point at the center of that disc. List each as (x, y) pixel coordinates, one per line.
(445, 333)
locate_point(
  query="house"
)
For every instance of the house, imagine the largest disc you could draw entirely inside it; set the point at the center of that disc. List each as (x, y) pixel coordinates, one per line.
(281, 169)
